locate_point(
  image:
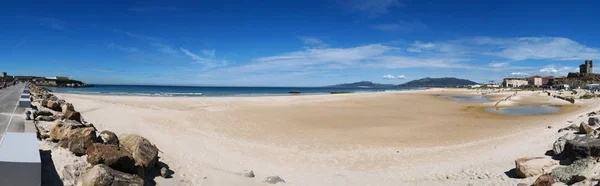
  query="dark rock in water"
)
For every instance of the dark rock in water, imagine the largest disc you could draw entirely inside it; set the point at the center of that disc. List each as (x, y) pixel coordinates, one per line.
(593, 121)
(544, 180)
(102, 175)
(576, 172)
(110, 155)
(273, 180)
(582, 147)
(78, 140)
(109, 137)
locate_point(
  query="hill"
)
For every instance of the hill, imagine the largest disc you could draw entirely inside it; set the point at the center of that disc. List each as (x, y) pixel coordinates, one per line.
(362, 84)
(438, 82)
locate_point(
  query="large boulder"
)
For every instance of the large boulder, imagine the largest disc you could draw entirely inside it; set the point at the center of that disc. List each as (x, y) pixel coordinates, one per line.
(42, 113)
(544, 180)
(273, 180)
(586, 129)
(533, 166)
(78, 140)
(582, 147)
(109, 137)
(60, 128)
(578, 171)
(54, 106)
(72, 115)
(594, 121)
(144, 153)
(67, 107)
(110, 155)
(45, 118)
(559, 144)
(44, 102)
(102, 175)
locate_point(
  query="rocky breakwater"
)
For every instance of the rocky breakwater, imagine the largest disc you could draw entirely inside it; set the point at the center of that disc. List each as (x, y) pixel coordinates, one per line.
(573, 160)
(110, 160)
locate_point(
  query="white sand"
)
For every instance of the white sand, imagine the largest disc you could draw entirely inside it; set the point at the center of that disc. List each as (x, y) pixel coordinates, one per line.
(391, 138)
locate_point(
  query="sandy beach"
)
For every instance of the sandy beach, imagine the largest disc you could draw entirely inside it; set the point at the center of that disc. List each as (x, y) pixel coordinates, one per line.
(383, 138)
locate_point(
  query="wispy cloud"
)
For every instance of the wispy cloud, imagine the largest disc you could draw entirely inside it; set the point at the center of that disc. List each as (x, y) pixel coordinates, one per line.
(122, 48)
(552, 69)
(392, 77)
(313, 41)
(371, 7)
(155, 42)
(56, 24)
(148, 9)
(419, 46)
(208, 60)
(498, 64)
(519, 73)
(401, 26)
(209, 53)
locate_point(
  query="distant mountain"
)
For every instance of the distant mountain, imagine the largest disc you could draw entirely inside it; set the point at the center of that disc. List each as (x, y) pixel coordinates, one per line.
(362, 84)
(438, 82)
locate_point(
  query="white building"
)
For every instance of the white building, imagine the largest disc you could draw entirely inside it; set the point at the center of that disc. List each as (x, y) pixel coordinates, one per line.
(515, 82)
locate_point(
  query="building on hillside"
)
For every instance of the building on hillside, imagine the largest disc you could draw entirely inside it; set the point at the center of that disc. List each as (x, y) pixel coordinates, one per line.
(593, 86)
(515, 82)
(535, 81)
(547, 79)
(587, 67)
(3, 74)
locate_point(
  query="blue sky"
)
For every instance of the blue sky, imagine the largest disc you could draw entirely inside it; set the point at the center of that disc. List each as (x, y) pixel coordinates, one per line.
(295, 43)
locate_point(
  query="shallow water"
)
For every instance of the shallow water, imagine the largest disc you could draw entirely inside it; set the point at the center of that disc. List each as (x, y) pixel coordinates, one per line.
(477, 99)
(525, 110)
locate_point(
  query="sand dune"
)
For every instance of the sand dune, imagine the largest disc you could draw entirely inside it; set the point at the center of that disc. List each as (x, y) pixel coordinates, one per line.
(387, 138)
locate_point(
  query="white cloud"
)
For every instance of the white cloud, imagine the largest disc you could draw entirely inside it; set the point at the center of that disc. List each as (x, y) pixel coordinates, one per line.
(313, 41)
(371, 7)
(554, 48)
(550, 70)
(390, 77)
(209, 63)
(498, 64)
(519, 73)
(419, 46)
(209, 53)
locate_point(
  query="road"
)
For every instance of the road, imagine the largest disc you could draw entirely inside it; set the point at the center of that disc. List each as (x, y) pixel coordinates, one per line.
(9, 98)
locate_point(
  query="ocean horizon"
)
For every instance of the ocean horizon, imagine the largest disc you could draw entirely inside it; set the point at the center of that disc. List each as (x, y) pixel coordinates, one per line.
(210, 91)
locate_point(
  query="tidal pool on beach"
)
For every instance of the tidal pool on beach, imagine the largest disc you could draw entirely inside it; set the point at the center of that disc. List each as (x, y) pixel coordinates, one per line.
(525, 110)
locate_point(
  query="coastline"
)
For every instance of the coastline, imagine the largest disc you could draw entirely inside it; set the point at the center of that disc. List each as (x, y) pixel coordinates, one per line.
(225, 142)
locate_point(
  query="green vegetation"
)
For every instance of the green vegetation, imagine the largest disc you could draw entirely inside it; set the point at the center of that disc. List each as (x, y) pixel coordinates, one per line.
(588, 96)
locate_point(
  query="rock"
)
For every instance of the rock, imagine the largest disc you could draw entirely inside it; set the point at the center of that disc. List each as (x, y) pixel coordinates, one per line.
(111, 156)
(273, 180)
(78, 140)
(144, 153)
(109, 137)
(102, 175)
(72, 115)
(45, 118)
(544, 180)
(60, 128)
(523, 184)
(53, 105)
(592, 114)
(559, 144)
(44, 102)
(578, 171)
(164, 172)
(53, 98)
(549, 127)
(248, 173)
(594, 121)
(573, 127)
(582, 147)
(43, 113)
(532, 166)
(67, 107)
(586, 129)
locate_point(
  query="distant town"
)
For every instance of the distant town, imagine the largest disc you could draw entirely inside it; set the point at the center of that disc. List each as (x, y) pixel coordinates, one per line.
(585, 78)
(55, 81)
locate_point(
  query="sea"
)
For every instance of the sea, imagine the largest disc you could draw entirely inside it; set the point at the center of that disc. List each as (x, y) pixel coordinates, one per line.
(212, 91)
